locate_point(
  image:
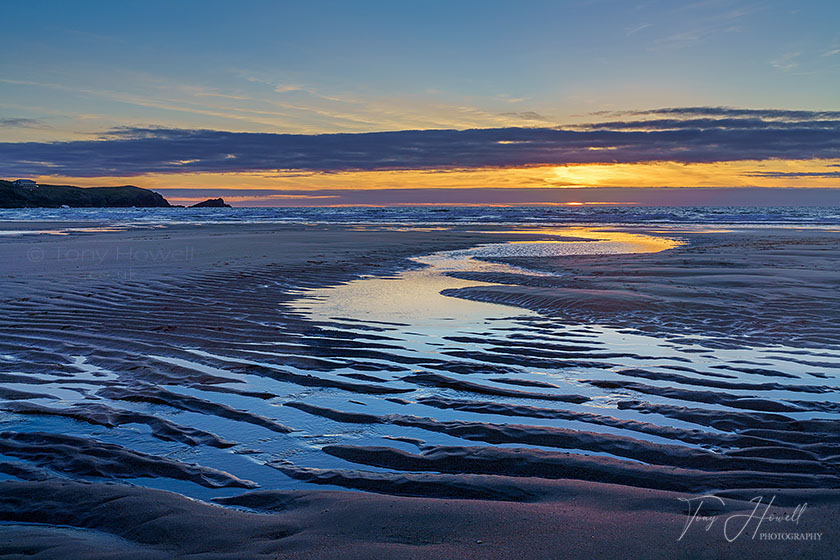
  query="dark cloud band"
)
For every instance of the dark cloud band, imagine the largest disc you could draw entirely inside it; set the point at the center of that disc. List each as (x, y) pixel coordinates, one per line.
(795, 174)
(757, 135)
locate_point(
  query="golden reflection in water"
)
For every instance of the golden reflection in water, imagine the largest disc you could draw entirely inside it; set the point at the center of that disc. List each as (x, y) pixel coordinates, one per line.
(633, 242)
(414, 297)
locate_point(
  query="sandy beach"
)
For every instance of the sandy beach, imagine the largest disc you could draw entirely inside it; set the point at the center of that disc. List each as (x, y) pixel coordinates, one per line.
(420, 281)
(307, 391)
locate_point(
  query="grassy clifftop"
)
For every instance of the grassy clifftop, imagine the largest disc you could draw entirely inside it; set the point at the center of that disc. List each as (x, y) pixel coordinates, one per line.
(55, 196)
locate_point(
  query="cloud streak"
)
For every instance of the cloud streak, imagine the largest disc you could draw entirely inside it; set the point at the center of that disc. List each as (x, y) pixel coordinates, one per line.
(785, 114)
(795, 174)
(688, 135)
(21, 123)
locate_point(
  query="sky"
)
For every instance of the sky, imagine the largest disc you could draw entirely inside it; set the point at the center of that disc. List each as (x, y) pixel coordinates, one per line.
(324, 103)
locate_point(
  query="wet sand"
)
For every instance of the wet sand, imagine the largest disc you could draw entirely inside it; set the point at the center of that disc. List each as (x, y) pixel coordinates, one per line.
(178, 362)
(743, 286)
(576, 520)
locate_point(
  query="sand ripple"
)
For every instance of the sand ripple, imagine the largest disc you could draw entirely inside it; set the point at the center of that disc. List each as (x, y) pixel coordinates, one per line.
(698, 369)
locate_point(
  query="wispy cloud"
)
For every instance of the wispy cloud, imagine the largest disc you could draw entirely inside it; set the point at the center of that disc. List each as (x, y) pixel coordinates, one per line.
(283, 88)
(527, 116)
(704, 20)
(630, 31)
(736, 112)
(22, 123)
(787, 61)
(289, 106)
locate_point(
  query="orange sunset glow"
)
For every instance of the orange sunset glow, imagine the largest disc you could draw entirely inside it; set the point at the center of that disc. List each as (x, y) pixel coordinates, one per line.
(273, 187)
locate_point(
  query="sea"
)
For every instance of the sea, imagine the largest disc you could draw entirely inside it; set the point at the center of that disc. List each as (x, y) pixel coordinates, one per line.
(436, 215)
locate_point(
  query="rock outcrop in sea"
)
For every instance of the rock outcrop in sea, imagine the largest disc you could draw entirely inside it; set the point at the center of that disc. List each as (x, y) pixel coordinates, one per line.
(212, 203)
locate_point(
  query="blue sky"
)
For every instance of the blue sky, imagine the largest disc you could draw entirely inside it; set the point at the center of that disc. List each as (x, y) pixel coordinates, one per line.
(364, 66)
(75, 71)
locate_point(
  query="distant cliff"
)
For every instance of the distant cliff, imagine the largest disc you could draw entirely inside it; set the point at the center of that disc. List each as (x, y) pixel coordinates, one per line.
(55, 196)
